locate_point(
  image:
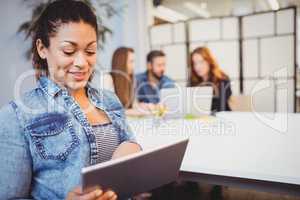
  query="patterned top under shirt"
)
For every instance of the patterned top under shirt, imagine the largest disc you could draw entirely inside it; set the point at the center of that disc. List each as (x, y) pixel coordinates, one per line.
(107, 140)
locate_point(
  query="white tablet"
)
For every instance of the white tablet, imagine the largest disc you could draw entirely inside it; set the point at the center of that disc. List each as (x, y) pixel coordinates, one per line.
(136, 173)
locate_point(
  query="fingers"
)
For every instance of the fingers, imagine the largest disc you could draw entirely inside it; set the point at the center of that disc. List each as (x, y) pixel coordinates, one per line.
(96, 194)
(74, 194)
(114, 197)
(92, 195)
(109, 195)
(77, 190)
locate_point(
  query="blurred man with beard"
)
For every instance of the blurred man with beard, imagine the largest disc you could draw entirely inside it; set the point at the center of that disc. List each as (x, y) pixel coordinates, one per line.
(149, 83)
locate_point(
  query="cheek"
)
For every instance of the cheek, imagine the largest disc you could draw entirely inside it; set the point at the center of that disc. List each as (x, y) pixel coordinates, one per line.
(130, 69)
(206, 68)
(160, 68)
(58, 65)
(197, 69)
(131, 65)
(200, 70)
(61, 63)
(92, 62)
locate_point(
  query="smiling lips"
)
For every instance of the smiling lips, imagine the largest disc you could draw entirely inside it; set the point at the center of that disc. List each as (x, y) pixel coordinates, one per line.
(78, 76)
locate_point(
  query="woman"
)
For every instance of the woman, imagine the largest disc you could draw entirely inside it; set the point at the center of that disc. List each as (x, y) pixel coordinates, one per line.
(205, 71)
(124, 84)
(52, 132)
(122, 75)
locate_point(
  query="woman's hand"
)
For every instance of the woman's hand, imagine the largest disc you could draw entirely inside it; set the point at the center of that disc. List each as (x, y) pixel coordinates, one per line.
(126, 148)
(97, 194)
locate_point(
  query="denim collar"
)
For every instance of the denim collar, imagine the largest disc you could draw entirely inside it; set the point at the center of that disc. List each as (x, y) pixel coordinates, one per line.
(48, 86)
(51, 88)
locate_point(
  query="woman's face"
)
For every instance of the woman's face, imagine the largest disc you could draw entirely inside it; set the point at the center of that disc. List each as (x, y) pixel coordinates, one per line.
(130, 63)
(200, 65)
(71, 55)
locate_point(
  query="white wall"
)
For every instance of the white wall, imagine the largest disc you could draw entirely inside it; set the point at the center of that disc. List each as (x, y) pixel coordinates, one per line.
(129, 29)
(12, 48)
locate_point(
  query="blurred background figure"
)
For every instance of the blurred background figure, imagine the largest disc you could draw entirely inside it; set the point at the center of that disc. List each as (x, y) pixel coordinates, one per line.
(150, 82)
(206, 71)
(123, 80)
(122, 75)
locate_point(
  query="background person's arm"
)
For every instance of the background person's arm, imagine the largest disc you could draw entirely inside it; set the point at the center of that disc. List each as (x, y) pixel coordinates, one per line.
(16, 163)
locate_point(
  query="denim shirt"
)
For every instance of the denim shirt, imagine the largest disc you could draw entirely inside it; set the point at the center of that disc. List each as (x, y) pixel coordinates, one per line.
(147, 93)
(45, 140)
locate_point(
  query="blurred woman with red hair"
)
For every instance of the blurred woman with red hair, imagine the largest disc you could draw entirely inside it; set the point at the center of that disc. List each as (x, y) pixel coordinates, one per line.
(205, 71)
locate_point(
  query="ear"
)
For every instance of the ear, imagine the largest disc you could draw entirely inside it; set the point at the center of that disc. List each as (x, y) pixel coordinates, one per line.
(41, 49)
(149, 66)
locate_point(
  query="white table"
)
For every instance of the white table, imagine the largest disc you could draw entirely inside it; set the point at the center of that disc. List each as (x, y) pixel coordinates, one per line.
(234, 149)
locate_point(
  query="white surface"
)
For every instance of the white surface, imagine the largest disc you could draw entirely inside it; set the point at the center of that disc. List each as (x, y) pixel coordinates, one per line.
(258, 25)
(234, 144)
(227, 55)
(285, 21)
(285, 95)
(176, 61)
(262, 93)
(283, 48)
(250, 58)
(230, 28)
(161, 34)
(179, 32)
(204, 29)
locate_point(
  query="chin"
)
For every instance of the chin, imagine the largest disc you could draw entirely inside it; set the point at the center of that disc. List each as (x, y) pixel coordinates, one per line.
(159, 76)
(76, 85)
(201, 74)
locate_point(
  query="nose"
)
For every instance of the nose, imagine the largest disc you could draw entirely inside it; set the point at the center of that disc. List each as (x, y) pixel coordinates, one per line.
(80, 60)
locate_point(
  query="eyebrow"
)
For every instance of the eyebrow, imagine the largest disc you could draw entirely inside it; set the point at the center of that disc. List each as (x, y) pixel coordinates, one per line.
(75, 44)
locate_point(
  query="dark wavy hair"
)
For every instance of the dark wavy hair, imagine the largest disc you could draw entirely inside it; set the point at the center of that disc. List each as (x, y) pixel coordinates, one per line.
(55, 14)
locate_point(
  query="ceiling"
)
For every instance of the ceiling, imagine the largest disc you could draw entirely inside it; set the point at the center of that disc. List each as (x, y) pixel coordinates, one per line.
(223, 7)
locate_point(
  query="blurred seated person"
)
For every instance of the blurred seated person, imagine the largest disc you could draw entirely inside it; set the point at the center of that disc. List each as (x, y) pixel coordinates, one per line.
(150, 82)
(123, 81)
(205, 71)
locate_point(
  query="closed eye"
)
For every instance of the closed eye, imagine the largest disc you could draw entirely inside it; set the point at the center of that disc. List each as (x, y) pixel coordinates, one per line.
(90, 53)
(69, 53)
